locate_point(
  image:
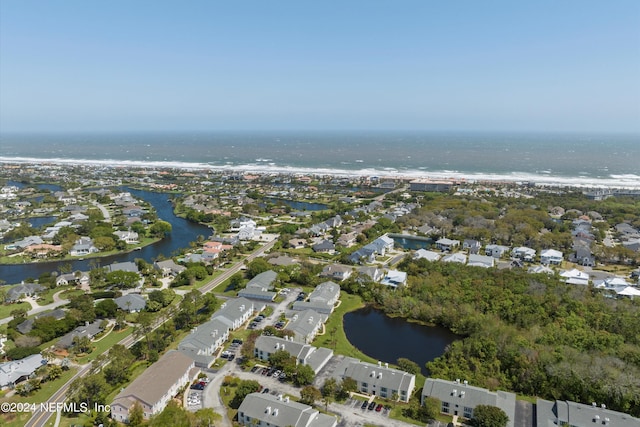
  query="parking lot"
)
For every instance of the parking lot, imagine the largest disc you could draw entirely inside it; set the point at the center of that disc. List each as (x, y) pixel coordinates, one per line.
(368, 406)
(194, 394)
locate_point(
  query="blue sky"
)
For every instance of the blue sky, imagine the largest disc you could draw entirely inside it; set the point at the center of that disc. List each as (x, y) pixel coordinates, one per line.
(249, 65)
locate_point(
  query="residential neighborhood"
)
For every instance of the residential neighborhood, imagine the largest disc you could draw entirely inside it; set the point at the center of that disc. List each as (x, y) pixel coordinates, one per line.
(262, 295)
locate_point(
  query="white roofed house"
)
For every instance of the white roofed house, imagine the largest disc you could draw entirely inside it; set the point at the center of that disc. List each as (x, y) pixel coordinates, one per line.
(383, 244)
(80, 278)
(458, 257)
(258, 409)
(394, 279)
(129, 237)
(575, 277)
(481, 261)
(425, 254)
(447, 245)
(524, 253)
(551, 256)
(153, 389)
(377, 380)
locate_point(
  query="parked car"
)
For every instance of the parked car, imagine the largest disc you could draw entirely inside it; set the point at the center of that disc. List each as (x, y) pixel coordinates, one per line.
(265, 391)
(364, 405)
(379, 407)
(255, 368)
(372, 405)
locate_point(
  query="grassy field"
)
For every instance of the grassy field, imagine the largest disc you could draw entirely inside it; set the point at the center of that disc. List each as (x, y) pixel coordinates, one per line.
(221, 289)
(6, 309)
(105, 343)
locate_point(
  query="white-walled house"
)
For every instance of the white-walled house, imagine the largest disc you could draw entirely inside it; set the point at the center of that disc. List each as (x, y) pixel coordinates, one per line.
(305, 354)
(377, 380)
(551, 256)
(460, 398)
(524, 253)
(262, 410)
(153, 389)
(447, 245)
(496, 251)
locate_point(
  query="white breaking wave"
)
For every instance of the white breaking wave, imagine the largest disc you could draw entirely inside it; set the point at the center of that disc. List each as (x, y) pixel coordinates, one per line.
(626, 181)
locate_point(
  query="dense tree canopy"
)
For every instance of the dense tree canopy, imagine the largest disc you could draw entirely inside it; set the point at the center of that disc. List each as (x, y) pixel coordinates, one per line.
(528, 333)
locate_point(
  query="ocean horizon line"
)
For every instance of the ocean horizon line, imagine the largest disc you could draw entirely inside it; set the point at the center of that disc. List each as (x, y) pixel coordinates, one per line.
(541, 178)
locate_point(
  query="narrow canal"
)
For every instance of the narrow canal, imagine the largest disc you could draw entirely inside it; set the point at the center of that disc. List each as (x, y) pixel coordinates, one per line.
(182, 233)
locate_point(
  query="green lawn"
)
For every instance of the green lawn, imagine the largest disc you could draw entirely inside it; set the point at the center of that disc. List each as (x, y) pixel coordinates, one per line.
(200, 283)
(72, 292)
(335, 337)
(221, 289)
(6, 309)
(105, 343)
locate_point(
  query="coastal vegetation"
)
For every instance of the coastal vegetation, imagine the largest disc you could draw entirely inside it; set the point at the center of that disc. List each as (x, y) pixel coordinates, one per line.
(527, 333)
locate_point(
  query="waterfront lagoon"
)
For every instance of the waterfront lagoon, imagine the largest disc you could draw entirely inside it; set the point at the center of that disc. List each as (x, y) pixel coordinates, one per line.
(406, 241)
(386, 339)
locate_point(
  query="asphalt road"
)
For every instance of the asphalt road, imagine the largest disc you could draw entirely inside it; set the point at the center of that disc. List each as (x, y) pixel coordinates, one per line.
(39, 418)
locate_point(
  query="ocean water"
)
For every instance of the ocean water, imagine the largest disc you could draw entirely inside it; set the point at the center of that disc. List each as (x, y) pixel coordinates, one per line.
(588, 160)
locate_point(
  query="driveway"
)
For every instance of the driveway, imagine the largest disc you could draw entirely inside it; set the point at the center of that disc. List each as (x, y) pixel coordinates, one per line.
(57, 302)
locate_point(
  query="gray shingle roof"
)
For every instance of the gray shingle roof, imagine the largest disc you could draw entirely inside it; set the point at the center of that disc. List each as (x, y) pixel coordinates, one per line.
(90, 330)
(465, 395)
(123, 266)
(377, 376)
(281, 412)
(10, 372)
(131, 302)
(577, 414)
(156, 380)
(304, 324)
